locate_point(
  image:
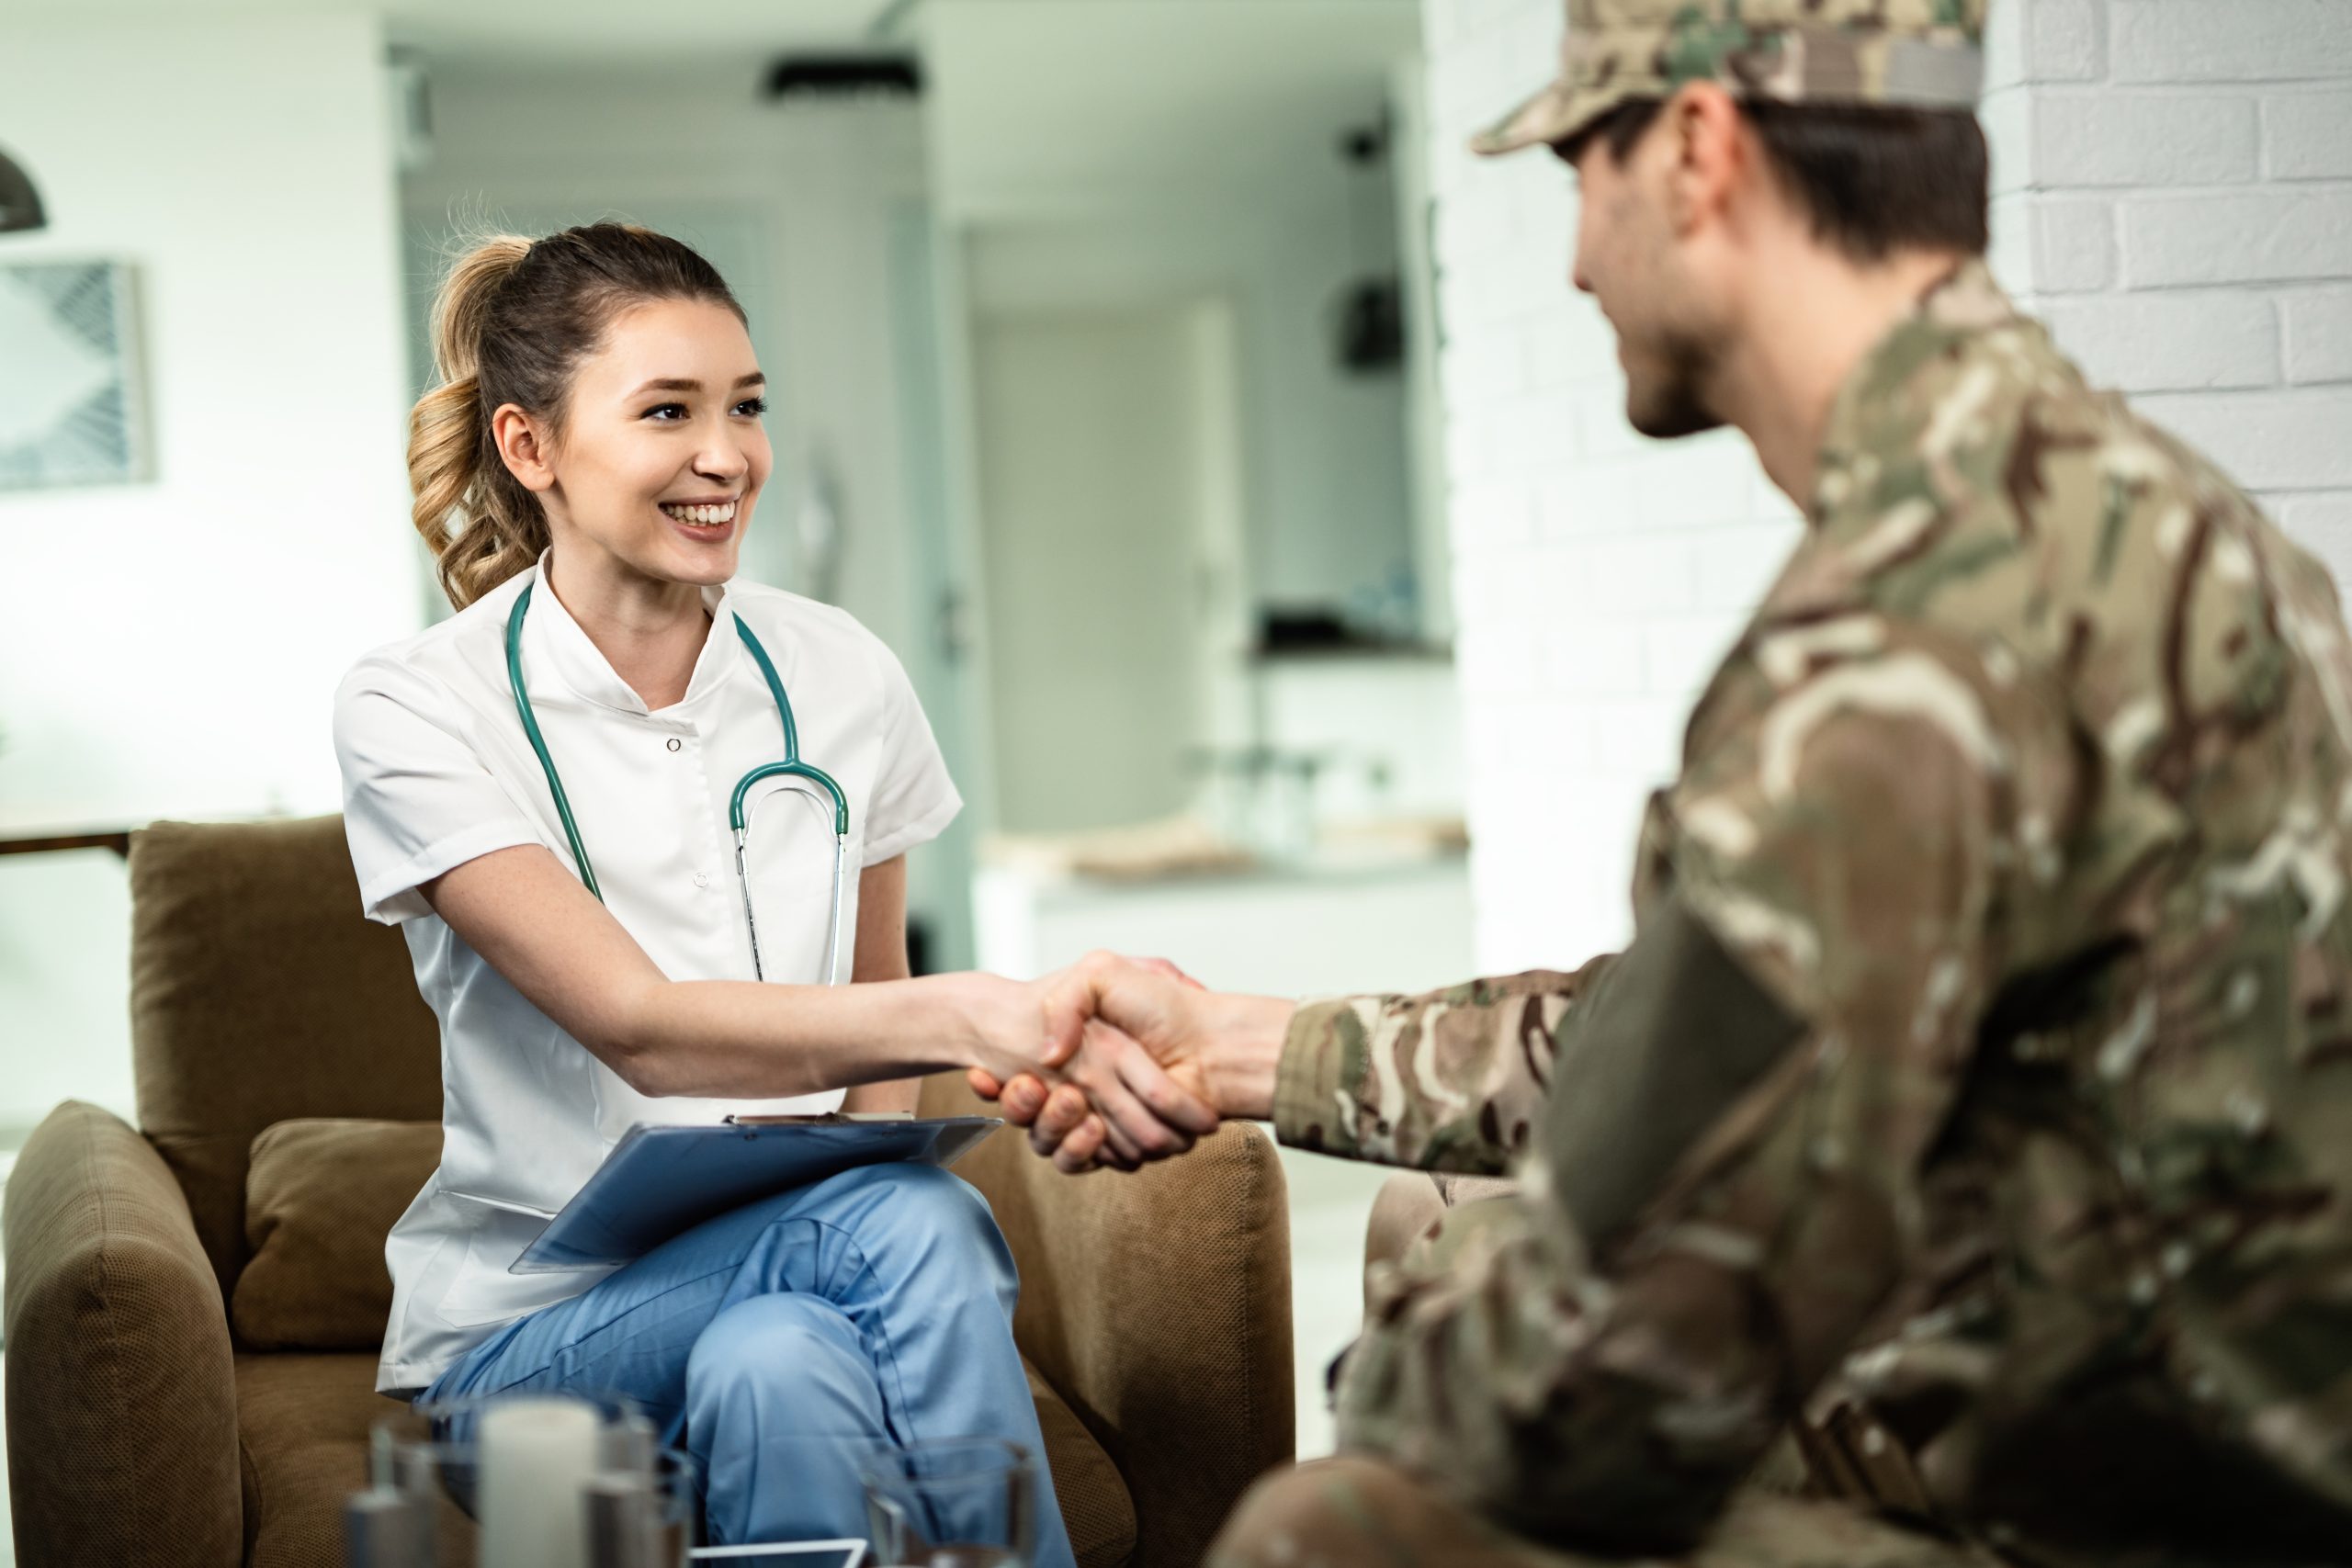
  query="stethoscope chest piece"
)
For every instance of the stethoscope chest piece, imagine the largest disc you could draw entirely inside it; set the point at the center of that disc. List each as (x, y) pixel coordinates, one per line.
(801, 777)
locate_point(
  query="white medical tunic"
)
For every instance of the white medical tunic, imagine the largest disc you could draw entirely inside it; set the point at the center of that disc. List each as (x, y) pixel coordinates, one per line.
(436, 770)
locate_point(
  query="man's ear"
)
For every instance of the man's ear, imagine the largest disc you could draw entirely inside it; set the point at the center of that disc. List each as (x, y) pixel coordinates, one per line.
(524, 446)
(1705, 132)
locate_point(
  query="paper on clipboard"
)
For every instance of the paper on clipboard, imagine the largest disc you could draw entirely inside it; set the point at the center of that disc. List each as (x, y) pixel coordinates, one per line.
(661, 1180)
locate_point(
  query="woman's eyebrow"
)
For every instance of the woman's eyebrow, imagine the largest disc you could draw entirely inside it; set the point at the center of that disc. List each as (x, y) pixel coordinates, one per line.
(687, 384)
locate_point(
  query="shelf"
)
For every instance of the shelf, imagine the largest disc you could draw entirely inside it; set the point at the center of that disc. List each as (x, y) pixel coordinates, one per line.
(1425, 652)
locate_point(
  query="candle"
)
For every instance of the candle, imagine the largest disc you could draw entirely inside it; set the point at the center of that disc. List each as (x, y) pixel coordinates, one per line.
(536, 1455)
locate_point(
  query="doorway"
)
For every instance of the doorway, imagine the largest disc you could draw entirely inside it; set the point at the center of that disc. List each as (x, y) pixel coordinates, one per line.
(1110, 517)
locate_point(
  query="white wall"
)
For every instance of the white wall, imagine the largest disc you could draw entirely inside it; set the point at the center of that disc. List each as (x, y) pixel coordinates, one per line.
(2173, 182)
(171, 648)
(2188, 181)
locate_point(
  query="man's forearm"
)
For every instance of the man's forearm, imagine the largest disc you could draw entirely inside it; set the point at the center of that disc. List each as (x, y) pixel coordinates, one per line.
(1453, 1080)
(1449, 1081)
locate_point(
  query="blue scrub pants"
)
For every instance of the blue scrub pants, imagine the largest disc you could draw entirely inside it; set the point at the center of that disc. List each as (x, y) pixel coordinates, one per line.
(780, 1341)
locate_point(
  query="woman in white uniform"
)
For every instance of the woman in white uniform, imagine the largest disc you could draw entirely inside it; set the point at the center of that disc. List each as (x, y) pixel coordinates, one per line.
(585, 473)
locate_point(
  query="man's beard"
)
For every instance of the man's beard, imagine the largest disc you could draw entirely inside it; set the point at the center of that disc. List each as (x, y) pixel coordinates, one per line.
(1673, 402)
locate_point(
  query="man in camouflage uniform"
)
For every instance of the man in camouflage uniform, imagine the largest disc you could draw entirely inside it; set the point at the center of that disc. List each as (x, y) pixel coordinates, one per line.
(1983, 1061)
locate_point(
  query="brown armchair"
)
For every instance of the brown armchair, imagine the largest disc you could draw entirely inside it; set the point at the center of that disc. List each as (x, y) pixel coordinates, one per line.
(144, 1428)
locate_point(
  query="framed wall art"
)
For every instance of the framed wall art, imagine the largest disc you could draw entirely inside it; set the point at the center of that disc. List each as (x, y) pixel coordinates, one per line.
(71, 405)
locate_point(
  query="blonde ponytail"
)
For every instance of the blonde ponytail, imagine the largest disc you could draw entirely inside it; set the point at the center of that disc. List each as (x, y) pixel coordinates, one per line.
(512, 320)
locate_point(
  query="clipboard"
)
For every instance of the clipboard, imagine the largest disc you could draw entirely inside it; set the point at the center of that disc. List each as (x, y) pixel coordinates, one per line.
(662, 1180)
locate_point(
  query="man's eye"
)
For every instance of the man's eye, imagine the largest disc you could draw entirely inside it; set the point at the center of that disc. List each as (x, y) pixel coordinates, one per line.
(666, 411)
(752, 408)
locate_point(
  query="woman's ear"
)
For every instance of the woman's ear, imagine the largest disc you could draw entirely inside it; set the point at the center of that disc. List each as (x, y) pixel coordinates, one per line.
(524, 447)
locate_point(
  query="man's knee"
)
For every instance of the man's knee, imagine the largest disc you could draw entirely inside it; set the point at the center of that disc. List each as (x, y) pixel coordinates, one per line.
(1409, 1204)
(1338, 1512)
(1353, 1510)
(1418, 1220)
(1296, 1518)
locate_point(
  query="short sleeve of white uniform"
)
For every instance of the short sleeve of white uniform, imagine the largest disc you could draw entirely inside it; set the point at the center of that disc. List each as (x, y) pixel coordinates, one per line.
(913, 798)
(417, 800)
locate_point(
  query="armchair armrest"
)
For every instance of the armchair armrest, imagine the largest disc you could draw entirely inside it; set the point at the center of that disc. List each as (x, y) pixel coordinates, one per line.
(122, 1407)
(1158, 1304)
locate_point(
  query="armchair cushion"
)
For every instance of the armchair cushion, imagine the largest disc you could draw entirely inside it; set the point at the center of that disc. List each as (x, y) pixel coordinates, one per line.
(1097, 1509)
(302, 1427)
(320, 1196)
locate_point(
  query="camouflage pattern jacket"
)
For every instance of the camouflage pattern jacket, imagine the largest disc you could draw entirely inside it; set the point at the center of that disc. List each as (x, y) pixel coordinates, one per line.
(1985, 1050)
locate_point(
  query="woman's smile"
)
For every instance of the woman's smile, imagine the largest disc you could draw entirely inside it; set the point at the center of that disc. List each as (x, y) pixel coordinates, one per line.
(706, 522)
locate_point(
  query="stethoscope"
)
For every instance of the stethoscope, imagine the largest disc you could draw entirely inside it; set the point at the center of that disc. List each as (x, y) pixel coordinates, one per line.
(806, 778)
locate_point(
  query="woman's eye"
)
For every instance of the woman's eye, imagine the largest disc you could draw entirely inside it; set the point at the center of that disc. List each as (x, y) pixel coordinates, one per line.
(666, 411)
(752, 408)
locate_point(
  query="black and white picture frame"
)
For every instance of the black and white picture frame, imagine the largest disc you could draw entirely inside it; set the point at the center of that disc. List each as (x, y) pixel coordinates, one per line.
(72, 410)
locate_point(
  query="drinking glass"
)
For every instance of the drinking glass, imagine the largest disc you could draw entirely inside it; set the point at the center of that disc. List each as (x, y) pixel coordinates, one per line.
(432, 1450)
(958, 1503)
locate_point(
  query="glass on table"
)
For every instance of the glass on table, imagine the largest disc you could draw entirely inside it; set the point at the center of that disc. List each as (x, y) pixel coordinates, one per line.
(571, 1480)
(957, 1503)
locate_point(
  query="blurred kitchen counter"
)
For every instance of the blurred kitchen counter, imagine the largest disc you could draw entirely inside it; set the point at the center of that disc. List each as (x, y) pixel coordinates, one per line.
(1322, 926)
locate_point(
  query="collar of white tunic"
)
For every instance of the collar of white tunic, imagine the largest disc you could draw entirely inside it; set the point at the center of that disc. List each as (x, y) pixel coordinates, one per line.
(557, 651)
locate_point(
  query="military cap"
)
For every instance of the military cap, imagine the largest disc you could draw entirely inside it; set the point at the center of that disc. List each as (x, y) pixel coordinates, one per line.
(1900, 53)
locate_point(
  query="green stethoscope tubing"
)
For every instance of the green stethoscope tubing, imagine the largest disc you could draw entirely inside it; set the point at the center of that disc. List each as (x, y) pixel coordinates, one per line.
(808, 778)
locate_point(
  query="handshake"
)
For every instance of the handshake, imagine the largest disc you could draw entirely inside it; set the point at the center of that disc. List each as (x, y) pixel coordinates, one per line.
(1137, 1061)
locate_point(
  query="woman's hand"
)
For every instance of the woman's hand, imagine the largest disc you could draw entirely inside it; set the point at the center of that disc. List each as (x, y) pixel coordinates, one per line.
(1044, 1033)
(1139, 1030)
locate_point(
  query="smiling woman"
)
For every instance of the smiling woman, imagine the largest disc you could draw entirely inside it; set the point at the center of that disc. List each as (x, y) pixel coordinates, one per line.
(585, 474)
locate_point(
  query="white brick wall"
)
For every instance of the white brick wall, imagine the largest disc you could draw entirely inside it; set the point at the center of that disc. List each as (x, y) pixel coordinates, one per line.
(2182, 174)
(2173, 192)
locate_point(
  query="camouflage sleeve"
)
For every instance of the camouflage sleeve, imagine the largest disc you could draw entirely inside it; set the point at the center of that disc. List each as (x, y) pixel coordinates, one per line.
(1725, 1185)
(1450, 1081)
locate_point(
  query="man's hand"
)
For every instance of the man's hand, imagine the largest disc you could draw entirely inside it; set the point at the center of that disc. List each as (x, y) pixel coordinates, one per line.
(1220, 1050)
(1135, 1111)
(1045, 1032)
(1113, 1102)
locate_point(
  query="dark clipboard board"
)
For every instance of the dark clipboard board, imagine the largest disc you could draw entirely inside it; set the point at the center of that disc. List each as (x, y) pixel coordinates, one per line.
(659, 1181)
